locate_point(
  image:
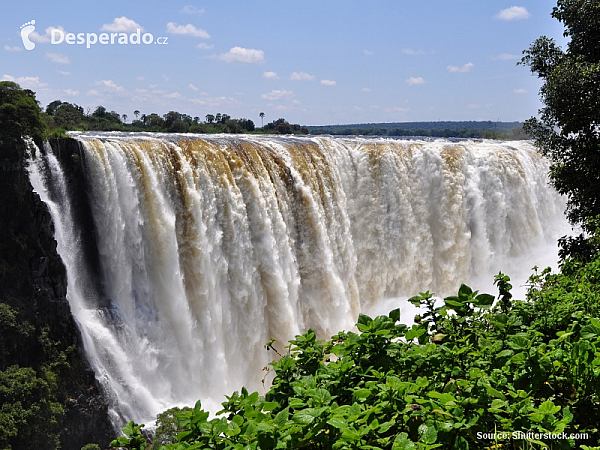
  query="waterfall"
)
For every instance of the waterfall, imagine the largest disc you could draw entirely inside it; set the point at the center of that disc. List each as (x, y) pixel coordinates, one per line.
(209, 246)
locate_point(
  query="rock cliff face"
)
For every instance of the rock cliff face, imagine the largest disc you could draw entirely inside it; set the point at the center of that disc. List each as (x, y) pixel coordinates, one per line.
(37, 330)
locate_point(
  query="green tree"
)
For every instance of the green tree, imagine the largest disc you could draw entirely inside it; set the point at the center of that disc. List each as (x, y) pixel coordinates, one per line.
(567, 130)
(262, 119)
(19, 116)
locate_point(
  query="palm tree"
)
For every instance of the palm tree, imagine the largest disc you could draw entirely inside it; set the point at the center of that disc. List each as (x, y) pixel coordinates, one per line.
(124, 117)
(136, 113)
(210, 118)
(262, 121)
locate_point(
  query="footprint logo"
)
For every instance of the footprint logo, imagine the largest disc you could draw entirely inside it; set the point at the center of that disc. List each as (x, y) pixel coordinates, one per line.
(26, 30)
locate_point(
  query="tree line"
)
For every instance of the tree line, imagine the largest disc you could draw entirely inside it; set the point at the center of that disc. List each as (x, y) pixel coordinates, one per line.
(443, 129)
(62, 116)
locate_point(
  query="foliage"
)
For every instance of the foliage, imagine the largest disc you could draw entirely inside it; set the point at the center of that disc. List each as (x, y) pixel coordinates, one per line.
(465, 369)
(28, 415)
(60, 116)
(19, 116)
(567, 130)
(91, 447)
(167, 427)
(282, 126)
(479, 129)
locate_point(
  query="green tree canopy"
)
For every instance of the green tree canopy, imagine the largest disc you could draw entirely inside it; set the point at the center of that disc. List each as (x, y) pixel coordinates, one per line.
(19, 115)
(567, 130)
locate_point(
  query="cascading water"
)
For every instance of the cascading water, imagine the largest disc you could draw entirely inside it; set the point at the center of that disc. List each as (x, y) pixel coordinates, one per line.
(210, 246)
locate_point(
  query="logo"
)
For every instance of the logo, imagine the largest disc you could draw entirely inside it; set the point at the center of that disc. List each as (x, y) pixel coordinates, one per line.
(26, 30)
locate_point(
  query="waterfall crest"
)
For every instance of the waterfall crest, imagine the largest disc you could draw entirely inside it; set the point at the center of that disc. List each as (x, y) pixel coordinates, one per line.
(209, 246)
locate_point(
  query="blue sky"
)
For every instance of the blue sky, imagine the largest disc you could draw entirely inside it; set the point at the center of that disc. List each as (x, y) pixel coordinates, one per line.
(312, 62)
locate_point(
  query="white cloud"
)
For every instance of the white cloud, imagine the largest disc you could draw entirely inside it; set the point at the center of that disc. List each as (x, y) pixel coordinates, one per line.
(270, 75)
(520, 91)
(42, 39)
(166, 78)
(473, 106)
(187, 30)
(415, 81)
(357, 108)
(122, 25)
(328, 82)
(302, 76)
(506, 57)
(366, 89)
(367, 52)
(175, 95)
(204, 46)
(110, 86)
(465, 68)
(192, 10)
(192, 87)
(513, 13)
(396, 109)
(93, 92)
(63, 72)
(8, 48)
(58, 58)
(243, 56)
(141, 78)
(278, 94)
(26, 82)
(71, 92)
(410, 51)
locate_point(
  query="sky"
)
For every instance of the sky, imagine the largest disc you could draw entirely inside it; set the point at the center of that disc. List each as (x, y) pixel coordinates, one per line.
(310, 62)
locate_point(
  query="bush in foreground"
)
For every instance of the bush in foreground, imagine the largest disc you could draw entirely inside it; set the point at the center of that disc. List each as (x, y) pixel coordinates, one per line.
(468, 375)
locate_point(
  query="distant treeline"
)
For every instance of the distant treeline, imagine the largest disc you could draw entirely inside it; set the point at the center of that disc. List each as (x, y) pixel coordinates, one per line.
(472, 129)
(63, 116)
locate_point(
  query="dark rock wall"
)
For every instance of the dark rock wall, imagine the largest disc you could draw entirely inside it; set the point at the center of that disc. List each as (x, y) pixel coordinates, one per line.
(33, 283)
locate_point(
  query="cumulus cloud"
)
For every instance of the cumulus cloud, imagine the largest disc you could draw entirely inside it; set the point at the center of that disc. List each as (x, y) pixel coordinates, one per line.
(187, 30)
(410, 51)
(302, 76)
(192, 87)
(43, 38)
(270, 75)
(122, 25)
(396, 109)
(243, 56)
(8, 48)
(175, 95)
(192, 10)
(415, 81)
(57, 58)
(204, 46)
(63, 72)
(110, 86)
(328, 82)
(513, 13)
(465, 68)
(506, 57)
(367, 52)
(26, 82)
(71, 92)
(520, 91)
(278, 94)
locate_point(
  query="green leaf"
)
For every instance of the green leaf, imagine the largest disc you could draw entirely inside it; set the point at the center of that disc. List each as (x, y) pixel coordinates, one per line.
(495, 393)
(484, 300)
(361, 394)
(340, 424)
(403, 443)
(395, 315)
